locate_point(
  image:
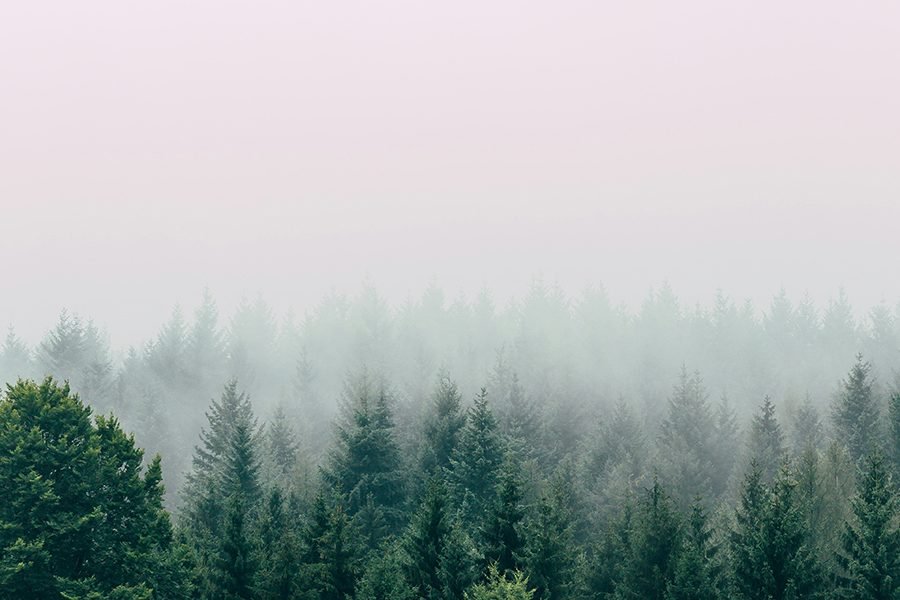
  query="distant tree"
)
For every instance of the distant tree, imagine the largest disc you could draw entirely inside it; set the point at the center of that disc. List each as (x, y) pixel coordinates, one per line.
(15, 358)
(281, 445)
(686, 456)
(870, 555)
(855, 413)
(894, 431)
(725, 446)
(807, 429)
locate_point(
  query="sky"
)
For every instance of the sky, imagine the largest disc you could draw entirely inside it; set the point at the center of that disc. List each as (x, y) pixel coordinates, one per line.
(151, 149)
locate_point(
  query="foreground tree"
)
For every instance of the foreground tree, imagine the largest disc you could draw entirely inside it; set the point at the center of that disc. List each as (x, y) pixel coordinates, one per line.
(80, 517)
(870, 557)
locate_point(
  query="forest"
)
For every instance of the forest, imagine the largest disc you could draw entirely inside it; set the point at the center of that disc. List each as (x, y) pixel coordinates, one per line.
(554, 447)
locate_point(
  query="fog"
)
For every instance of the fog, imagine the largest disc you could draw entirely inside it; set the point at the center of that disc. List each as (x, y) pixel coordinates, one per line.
(569, 279)
(295, 148)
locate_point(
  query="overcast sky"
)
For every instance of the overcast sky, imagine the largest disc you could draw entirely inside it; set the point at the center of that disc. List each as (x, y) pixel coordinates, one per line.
(149, 149)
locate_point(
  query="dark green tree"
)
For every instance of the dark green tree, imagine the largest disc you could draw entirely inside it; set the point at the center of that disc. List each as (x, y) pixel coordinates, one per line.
(550, 554)
(502, 538)
(772, 557)
(477, 459)
(654, 541)
(365, 461)
(695, 575)
(870, 556)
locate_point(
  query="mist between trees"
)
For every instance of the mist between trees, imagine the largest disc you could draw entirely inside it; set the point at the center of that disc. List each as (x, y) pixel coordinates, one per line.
(554, 447)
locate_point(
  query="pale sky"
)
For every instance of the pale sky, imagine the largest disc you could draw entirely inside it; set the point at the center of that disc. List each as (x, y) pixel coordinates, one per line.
(149, 149)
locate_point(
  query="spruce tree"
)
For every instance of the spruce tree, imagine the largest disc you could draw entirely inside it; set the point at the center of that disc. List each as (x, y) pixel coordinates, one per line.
(502, 538)
(442, 427)
(686, 453)
(870, 555)
(894, 432)
(695, 574)
(767, 441)
(654, 541)
(550, 554)
(855, 413)
(477, 459)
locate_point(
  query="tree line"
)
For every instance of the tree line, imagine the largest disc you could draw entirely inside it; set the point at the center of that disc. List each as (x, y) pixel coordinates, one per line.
(483, 509)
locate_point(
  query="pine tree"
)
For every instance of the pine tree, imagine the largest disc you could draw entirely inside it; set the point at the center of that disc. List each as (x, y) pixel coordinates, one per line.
(366, 460)
(807, 429)
(870, 557)
(695, 576)
(772, 558)
(894, 431)
(15, 358)
(477, 459)
(424, 542)
(79, 517)
(855, 412)
(384, 578)
(767, 441)
(442, 427)
(686, 455)
(502, 539)
(236, 569)
(330, 560)
(498, 586)
(282, 446)
(550, 552)
(653, 546)
(725, 446)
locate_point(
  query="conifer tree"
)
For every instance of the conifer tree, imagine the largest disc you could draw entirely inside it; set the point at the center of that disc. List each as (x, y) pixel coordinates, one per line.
(767, 441)
(772, 557)
(502, 538)
(653, 547)
(807, 429)
(695, 576)
(498, 586)
(686, 454)
(477, 459)
(894, 432)
(870, 556)
(855, 413)
(365, 460)
(550, 555)
(442, 427)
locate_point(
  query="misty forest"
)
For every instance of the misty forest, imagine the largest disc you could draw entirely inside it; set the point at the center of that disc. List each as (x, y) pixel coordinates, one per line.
(554, 447)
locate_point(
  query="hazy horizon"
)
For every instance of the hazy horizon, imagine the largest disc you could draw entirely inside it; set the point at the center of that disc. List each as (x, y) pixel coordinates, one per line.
(290, 149)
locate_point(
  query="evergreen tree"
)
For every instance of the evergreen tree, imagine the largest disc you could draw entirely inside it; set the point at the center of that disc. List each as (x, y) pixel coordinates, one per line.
(695, 576)
(366, 460)
(15, 358)
(440, 558)
(654, 541)
(477, 459)
(236, 569)
(725, 445)
(807, 430)
(501, 587)
(894, 431)
(79, 517)
(767, 441)
(384, 578)
(330, 561)
(855, 412)
(870, 557)
(502, 539)
(550, 552)
(277, 552)
(442, 427)
(772, 559)
(686, 454)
